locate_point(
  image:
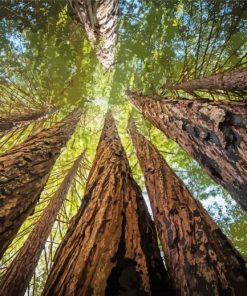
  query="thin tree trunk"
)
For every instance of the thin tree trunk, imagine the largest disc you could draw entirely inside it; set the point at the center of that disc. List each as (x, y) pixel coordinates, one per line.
(24, 171)
(9, 123)
(20, 271)
(232, 81)
(199, 258)
(212, 132)
(104, 250)
(99, 18)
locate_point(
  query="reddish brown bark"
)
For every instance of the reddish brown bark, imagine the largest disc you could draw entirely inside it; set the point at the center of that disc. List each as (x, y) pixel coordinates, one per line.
(19, 273)
(199, 258)
(104, 251)
(12, 122)
(24, 171)
(100, 21)
(231, 81)
(212, 132)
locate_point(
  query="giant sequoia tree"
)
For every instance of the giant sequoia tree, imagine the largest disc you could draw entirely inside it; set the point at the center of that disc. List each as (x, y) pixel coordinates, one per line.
(22, 268)
(24, 171)
(111, 245)
(100, 21)
(212, 132)
(199, 258)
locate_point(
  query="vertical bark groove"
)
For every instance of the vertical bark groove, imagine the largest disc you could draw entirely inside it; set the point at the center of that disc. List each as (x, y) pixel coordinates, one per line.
(20, 271)
(24, 171)
(102, 253)
(199, 258)
(229, 81)
(212, 132)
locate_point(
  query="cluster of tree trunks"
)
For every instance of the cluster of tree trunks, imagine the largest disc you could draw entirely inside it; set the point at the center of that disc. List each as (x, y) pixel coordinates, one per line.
(24, 171)
(213, 132)
(229, 81)
(13, 122)
(111, 246)
(99, 18)
(15, 281)
(199, 258)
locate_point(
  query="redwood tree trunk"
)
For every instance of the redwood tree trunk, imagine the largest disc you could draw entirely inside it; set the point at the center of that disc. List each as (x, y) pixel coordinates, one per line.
(104, 251)
(231, 81)
(199, 258)
(24, 171)
(20, 271)
(9, 123)
(212, 132)
(99, 18)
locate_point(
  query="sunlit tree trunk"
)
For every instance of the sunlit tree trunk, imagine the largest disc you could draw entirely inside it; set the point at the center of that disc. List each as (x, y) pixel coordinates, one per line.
(99, 18)
(199, 258)
(20, 271)
(104, 251)
(231, 81)
(212, 132)
(24, 171)
(12, 122)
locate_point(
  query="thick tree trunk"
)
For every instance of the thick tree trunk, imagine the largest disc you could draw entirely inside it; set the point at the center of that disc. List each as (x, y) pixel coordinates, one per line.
(21, 270)
(199, 258)
(231, 81)
(24, 171)
(9, 123)
(99, 18)
(104, 251)
(212, 132)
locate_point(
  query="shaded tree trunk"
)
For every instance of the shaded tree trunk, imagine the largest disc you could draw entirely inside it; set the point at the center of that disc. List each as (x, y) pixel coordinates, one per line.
(13, 122)
(199, 258)
(232, 81)
(99, 18)
(212, 132)
(20, 271)
(24, 171)
(104, 251)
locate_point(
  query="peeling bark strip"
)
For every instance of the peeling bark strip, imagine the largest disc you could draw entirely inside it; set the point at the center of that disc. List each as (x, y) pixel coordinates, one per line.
(199, 258)
(10, 123)
(231, 81)
(213, 132)
(20, 271)
(104, 251)
(24, 171)
(99, 18)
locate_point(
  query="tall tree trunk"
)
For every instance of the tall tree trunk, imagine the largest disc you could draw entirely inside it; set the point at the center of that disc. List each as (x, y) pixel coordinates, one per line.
(199, 258)
(9, 123)
(20, 271)
(24, 171)
(104, 250)
(99, 18)
(231, 81)
(212, 132)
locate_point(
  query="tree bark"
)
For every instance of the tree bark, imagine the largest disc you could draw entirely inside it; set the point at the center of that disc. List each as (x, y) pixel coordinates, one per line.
(20, 271)
(104, 251)
(199, 258)
(212, 132)
(231, 81)
(13, 122)
(99, 18)
(24, 171)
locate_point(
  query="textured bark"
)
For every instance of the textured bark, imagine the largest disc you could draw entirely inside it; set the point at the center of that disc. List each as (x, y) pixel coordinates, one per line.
(104, 251)
(20, 271)
(231, 81)
(199, 258)
(24, 171)
(99, 18)
(212, 132)
(12, 122)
